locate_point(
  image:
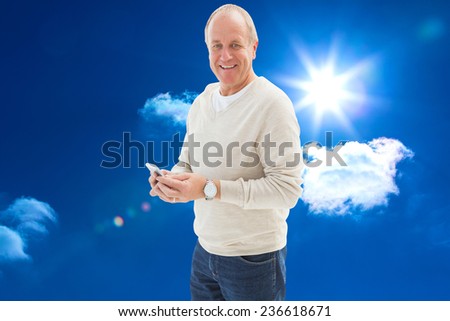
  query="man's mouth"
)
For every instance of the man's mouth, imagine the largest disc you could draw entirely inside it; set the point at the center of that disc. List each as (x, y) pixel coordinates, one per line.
(227, 67)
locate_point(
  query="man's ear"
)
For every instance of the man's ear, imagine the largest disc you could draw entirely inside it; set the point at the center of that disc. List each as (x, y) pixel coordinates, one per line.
(255, 46)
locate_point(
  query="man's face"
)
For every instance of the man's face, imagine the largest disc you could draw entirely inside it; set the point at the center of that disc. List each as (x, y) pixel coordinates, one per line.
(230, 52)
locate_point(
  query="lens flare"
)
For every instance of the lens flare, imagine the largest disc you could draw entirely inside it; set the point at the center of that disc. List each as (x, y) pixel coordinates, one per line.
(431, 29)
(118, 221)
(130, 212)
(146, 207)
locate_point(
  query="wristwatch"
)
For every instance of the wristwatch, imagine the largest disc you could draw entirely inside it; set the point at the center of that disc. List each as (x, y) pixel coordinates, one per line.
(210, 190)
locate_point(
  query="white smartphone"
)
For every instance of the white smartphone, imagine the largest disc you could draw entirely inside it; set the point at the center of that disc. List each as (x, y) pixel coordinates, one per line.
(153, 168)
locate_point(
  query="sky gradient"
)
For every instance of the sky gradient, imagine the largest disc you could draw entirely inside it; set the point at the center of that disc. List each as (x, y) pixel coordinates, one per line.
(77, 75)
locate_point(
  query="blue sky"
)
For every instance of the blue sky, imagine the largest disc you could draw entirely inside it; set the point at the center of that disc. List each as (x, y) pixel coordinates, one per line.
(78, 74)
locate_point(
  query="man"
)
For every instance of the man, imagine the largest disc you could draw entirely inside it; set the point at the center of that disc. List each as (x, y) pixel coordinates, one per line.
(242, 199)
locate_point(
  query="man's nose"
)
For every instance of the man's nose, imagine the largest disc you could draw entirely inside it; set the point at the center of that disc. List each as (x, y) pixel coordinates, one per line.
(225, 54)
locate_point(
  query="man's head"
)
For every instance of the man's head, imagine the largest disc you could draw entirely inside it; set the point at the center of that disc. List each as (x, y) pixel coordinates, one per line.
(231, 38)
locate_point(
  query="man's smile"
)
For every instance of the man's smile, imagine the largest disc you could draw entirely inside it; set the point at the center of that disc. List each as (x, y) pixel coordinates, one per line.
(227, 67)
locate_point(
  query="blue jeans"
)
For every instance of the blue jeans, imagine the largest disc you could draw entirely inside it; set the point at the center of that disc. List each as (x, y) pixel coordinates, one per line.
(238, 278)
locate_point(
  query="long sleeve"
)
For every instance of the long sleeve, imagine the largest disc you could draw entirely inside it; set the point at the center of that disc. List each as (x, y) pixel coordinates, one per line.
(183, 166)
(281, 158)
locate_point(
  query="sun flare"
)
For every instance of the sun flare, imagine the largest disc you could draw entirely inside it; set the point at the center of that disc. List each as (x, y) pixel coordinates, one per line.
(328, 91)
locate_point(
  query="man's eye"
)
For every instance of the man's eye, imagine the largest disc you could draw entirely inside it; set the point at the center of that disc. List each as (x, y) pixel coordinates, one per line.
(217, 46)
(235, 46)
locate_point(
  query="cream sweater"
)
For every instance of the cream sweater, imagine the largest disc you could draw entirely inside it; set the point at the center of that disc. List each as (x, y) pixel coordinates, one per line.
(259, 181)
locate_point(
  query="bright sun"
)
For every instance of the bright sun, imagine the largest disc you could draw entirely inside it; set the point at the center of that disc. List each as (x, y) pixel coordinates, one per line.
(326, 91)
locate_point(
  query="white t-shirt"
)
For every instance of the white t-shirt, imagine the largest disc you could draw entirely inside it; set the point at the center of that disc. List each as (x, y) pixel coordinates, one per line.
(221, 103)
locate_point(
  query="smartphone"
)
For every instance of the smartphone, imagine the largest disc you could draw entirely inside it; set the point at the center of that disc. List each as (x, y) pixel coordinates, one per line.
(154, 169)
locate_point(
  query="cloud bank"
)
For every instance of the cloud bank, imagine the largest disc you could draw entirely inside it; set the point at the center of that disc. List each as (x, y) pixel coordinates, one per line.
(24, 221)
(366, 181)
(173, 106)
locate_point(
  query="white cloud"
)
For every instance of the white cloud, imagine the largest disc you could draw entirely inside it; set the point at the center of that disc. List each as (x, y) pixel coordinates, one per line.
(11, 245)
(366, 181)
(26, 219)
(174, 106)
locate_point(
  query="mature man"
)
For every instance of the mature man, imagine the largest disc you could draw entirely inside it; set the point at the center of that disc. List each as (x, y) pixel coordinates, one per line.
(241, 164)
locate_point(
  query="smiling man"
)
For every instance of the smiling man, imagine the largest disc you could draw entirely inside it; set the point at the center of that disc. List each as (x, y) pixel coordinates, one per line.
(232, 41)
(243, 198)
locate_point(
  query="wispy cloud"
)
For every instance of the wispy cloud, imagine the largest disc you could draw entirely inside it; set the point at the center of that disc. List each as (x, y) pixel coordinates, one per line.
(24, 221)
(366, 181)
(173, 106)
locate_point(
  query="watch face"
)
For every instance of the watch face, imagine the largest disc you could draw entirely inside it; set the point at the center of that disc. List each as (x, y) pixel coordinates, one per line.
(210, 189)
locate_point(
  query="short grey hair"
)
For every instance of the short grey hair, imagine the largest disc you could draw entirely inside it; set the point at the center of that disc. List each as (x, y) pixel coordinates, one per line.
(226, 8)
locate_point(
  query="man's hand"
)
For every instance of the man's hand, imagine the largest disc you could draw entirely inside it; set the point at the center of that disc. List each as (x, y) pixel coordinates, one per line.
(156, 191)
(182, 187)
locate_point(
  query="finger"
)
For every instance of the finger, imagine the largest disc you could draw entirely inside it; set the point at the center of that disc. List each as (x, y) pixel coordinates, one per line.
(166, 172)
(152, 180)
(167, 199)
(181, 176)
(161, 192)
(170, 182)
(155, 191)
(169, 192)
